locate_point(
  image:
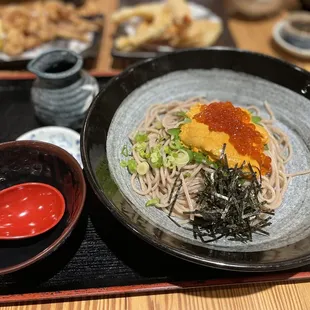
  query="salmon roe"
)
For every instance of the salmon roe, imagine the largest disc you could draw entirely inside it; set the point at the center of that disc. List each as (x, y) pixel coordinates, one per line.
(224, 117)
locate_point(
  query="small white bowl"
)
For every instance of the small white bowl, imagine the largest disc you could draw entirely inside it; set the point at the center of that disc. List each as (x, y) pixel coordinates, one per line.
(63, 137)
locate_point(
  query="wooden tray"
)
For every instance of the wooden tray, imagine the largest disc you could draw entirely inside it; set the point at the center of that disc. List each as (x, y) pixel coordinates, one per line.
(102, 257)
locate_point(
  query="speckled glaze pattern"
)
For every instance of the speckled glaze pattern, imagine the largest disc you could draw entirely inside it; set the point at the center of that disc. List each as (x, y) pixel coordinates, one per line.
(225, 73)
(291, 221)
(63, 98)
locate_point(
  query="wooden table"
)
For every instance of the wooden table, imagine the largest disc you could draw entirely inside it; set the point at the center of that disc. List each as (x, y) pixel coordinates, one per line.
(255, 36)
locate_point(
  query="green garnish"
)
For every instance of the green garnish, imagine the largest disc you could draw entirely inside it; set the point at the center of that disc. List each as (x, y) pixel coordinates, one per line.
(182, 158)
(266, 148)
(256, 120)
(124, 163)
(175, 144)
(141, 137)
(143, 168)
(180, 114)
(198, 157)
(156, 160)
(189, 152)
(167, 150)
(183, 115)
(152, 202)
(141, 149)
(125, 151)
(187, 120)
(132, 166)
(174, 132)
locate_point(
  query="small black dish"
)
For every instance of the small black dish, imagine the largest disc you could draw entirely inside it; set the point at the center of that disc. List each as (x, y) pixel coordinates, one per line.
(32, 161)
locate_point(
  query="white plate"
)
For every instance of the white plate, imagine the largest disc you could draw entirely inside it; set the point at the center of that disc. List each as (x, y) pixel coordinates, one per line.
(63, 137)
(292, 49)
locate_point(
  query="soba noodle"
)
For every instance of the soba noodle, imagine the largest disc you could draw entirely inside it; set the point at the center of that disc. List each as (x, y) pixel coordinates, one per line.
(159, 183)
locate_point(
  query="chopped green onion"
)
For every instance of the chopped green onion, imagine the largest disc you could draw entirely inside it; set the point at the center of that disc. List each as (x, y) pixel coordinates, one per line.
(156, 159)
(181, 114)
(174, 132)
(187, 120)
(256, 119)
(182, 159)
(167, 150)
(143, 168)
(189, 152)
(152, 202)
(266, 148)
(125, 151)
(169, 162)
(141, 137)
(141, 149)
(124, 163)
(198, 157)
(132, 166)
(175, 144)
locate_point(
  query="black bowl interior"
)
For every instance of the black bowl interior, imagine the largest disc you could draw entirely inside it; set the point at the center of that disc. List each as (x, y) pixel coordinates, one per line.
(27, 161)
(93, 144)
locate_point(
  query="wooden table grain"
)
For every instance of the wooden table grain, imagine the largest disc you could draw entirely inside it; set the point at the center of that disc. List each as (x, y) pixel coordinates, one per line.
(250, 35)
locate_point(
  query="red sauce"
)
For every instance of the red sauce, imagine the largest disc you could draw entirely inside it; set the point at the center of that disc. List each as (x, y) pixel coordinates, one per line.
(224, 117)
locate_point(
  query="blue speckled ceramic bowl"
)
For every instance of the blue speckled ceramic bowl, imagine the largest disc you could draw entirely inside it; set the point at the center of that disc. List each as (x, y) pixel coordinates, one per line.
(245, 78)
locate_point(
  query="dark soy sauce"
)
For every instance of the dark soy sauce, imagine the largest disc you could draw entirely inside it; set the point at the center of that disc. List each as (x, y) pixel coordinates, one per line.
(58, 67)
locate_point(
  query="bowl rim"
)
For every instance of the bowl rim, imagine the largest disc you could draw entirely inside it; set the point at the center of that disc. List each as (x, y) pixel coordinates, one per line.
(296, 51)
(68, 229)
(241, 267)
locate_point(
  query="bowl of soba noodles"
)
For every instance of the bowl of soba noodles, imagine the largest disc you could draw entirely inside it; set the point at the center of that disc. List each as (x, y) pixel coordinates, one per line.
(205, 154)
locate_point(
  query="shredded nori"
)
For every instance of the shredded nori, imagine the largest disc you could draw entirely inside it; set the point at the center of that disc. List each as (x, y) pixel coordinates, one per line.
(228, 205)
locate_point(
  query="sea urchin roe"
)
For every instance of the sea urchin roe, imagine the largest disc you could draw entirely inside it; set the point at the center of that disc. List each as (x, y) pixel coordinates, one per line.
(224, 117)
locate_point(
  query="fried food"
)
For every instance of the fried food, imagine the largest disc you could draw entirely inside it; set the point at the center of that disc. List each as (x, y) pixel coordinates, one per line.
(32, 42)
(15, 18)
(27, 27)
(146, 11)
(180, 12)
(154, 31)
(14, 43)
(200, 33)
(166, 23)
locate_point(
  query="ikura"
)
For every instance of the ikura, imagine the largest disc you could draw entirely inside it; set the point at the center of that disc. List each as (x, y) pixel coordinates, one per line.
(224, 117)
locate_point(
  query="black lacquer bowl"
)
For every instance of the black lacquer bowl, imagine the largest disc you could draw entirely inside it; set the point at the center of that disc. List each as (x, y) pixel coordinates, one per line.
(245, 78)
(33, 161)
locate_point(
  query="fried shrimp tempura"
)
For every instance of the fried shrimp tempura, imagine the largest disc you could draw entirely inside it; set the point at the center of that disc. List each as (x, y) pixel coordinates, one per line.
(154, 31)
(166, 23)
(200, 33)
(146, 11)
(180, 12)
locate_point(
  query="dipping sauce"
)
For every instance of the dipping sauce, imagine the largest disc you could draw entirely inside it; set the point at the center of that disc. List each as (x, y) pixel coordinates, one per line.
(29, 209)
